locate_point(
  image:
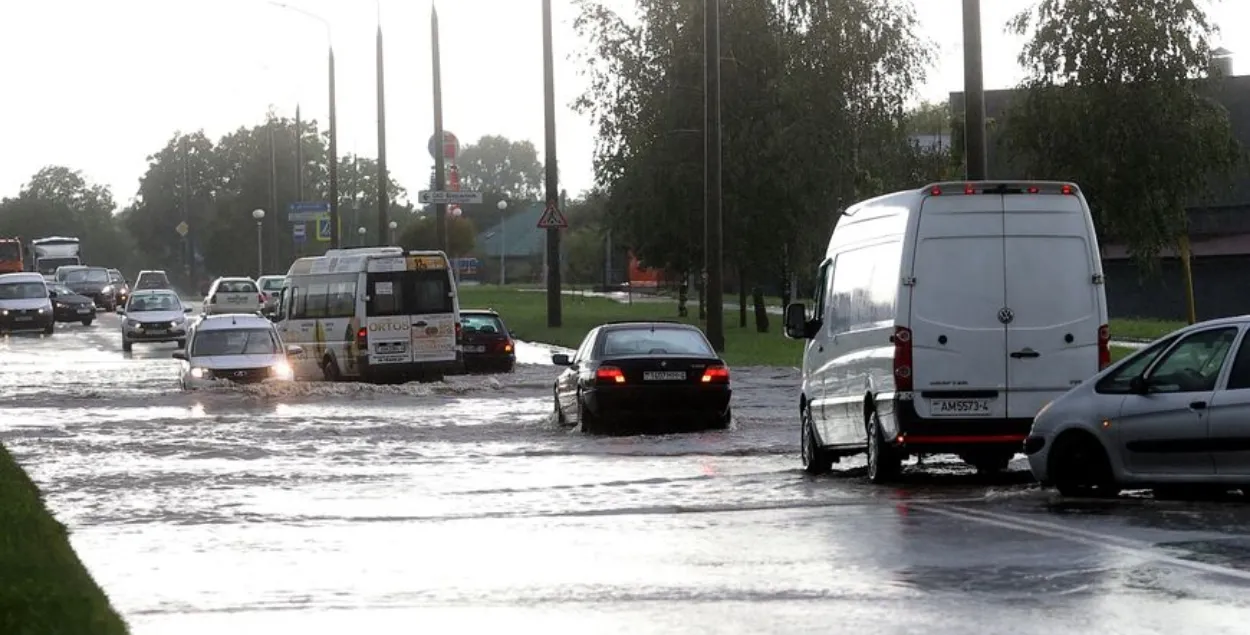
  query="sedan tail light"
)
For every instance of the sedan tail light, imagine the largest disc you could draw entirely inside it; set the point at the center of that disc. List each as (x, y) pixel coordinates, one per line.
(716, 375)
(609, 375)
(1104, 346)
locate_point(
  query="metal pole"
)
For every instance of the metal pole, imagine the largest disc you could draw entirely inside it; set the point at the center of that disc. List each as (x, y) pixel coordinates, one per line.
(974, 94)
(712, 193)
(384, 201)
(299, 172)
(334, 162)
(273, 190)
(188, 246)
(503, 249)
(260, 249)
(440, 167)
(554, 317)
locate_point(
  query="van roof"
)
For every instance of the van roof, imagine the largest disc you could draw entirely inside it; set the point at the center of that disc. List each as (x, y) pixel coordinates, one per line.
(1025, 186)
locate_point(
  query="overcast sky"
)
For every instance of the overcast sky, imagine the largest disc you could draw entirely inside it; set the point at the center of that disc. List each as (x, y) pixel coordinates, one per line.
(100, 84)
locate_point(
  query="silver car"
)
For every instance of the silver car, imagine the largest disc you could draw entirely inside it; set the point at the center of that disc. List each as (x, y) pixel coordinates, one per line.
(1176, 413)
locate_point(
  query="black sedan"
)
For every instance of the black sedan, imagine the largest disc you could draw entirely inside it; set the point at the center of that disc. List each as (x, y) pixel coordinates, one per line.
(629, 376)
(68, 306)
(488, 345)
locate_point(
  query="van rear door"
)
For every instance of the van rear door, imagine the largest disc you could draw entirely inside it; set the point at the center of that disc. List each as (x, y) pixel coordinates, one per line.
(959, 346)
(1055, 304)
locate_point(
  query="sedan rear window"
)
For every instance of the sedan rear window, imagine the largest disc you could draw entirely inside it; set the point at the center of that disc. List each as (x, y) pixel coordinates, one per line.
(485, 324)
(657, 341)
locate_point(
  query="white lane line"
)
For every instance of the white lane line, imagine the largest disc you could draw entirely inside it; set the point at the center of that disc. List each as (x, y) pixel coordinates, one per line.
(1138, 548)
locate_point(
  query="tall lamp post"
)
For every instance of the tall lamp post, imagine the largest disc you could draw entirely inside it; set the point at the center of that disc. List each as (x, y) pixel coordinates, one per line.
(392, 226)
(503, 243)
(334, 144)
(259, 215)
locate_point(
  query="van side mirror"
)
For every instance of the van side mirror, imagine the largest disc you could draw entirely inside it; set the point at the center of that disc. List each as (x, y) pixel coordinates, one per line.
(121, 310)
(180, 355)
(796, 324)
(560, 359)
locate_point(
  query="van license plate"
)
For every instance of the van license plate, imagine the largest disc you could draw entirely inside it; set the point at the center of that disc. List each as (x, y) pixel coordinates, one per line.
(959, 407)
(664, 375)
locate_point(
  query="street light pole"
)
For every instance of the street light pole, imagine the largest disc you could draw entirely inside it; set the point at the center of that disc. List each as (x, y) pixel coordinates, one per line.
(712, 177)
(554, 307)
(334, 146)
(974, 94)
(384, 200)
(440, 176)
(259, 215)
(503, 243)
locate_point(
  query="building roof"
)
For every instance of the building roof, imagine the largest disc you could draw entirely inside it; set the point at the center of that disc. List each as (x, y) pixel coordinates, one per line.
(518, 236)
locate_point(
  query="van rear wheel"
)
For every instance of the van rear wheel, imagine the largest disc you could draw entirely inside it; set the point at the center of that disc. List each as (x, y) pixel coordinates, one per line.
(884, 463)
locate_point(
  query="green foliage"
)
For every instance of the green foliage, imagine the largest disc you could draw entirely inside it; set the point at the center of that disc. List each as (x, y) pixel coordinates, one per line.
(501, 166)
(44, 588)
(59, 201)
(584, 255)
(812, 98)
(1117, 101)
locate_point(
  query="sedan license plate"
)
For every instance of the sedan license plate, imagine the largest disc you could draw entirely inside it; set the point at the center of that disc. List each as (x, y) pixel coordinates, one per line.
(664, 375)
(959, 407)
(475, 349)
(84, 310)
(24, 318)
(152, 331)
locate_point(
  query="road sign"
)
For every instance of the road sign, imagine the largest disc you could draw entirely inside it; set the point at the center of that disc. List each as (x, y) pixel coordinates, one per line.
(182, 229)
(323, 229)
(306, 212)
(552, 218)
(426, 197)
(451, 146)
(299, 233)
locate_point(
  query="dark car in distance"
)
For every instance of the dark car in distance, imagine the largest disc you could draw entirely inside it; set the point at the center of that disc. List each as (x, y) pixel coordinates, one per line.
(652, 376)
(68, 306)
(95, 283)
(121, 287)
(486, 342)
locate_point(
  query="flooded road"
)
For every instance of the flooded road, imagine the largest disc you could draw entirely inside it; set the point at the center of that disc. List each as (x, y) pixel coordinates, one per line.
(460, 507)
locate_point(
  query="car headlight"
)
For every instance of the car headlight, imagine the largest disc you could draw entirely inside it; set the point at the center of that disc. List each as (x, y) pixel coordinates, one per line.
(43, 310)
(108, 288)
(4, 311)
(282, 370)
(132, 323)
(199, 373)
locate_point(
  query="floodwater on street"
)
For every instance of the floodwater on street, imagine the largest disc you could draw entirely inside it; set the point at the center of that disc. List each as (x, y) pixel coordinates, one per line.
(460, 507)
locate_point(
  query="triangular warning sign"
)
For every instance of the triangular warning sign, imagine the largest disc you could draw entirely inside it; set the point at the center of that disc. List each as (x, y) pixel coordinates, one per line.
(552, 218)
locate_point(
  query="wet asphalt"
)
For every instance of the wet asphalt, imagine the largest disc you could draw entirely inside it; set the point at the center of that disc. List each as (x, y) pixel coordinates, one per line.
(461, 507)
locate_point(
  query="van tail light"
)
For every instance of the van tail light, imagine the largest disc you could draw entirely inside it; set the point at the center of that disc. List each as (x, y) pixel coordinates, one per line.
(1033, 189)
(969, 189)
(1066, 189)
(507, 346)
(1104, 346)
(459, 331)
(716, 375)
(362, 337)
(902, 359)
(935, 191)
(609, 375)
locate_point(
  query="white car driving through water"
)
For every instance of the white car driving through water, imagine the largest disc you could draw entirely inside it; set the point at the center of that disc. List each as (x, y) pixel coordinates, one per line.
(152, 316)
(238, 348)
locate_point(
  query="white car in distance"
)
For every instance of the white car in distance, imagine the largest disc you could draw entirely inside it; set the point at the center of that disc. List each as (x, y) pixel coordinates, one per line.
(237, 348)
(233, 295)
(153, 316)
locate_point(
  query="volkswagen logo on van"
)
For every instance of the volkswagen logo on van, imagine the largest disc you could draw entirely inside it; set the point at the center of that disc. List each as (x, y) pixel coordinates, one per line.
(1005, 315)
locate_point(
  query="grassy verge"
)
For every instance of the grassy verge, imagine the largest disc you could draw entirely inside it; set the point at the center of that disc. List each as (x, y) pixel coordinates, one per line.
(44, 588)
(1120, 352)
(525, 312)
(1142, 329)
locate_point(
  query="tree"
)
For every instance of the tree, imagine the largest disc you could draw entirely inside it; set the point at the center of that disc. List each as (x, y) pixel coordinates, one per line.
(504, 167)
(585, 255)
(812, 97)
(420, 234)
(60, 201)
(1117, 100)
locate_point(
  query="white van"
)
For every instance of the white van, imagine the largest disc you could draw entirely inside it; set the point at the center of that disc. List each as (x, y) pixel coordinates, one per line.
(945, 319)
(373, 313)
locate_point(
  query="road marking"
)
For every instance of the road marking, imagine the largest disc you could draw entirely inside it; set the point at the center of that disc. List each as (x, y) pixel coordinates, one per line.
(1139, 548)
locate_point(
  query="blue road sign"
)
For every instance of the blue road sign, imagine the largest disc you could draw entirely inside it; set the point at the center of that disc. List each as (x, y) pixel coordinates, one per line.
(323, 229)
(299, 233)
(307, 211)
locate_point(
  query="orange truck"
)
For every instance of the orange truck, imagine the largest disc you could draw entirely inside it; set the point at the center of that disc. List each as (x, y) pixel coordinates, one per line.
(11, 256)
